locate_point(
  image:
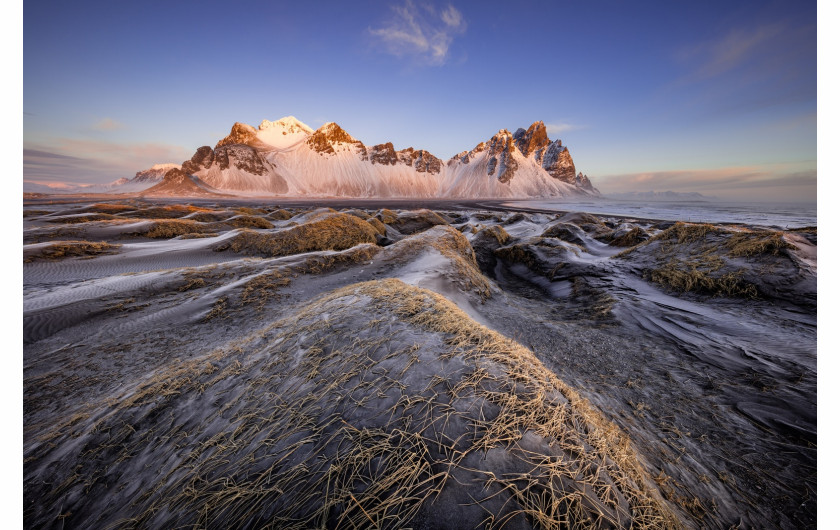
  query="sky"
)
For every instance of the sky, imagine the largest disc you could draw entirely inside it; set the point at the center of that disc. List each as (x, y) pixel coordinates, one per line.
(712, 97)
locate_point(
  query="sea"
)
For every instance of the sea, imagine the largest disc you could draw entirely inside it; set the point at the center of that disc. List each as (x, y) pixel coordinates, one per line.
(775, 215)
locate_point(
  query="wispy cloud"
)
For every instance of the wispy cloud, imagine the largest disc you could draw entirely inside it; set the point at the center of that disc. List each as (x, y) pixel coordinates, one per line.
(425, 34)
(560, 128)
(97, 162)
(752, 68)
(107, 124)
(739, 182)
(731, 51)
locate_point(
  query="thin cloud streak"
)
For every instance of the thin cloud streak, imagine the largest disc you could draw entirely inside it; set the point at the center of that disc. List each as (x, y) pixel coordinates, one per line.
(426, 36)
(107, 124)
(94, 162)
(745, 183)
(560, 128)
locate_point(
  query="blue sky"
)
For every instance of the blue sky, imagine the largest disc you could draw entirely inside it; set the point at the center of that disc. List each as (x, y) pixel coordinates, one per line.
(715, 97)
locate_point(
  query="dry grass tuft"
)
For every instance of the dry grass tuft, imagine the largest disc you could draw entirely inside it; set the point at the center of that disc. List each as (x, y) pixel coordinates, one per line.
(77, 219)
(170, 228)
(280, 215)
(35, 213)
(336, 232)
(249, 221)
(66, 249)
(688, 276)
(757, 244)
(630, 239)
(260, 289)
(496, 232)
(167, 212)
(386, 216)
(218, 310)
(196, 235)
(251, 211)
(326, 262)
(377, 225)
(110, 208)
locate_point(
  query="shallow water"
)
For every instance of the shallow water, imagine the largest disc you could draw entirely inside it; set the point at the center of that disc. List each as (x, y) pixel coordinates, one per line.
(780, 215)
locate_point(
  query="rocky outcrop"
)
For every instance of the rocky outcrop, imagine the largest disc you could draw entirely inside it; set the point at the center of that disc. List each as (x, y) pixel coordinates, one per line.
(557, 161)
(241, 157)
(179, 183)
(329, 135)
(532, 140)
(421, 160)
(154, 173)
(383, 154)
(583, 182)
(501, 162)
(240, 133)
(203, 158)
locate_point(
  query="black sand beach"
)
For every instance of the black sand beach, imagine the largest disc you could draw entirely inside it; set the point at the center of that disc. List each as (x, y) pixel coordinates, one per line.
(411, 363)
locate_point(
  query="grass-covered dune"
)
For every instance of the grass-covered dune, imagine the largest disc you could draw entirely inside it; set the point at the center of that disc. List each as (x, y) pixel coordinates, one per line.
(377, 405)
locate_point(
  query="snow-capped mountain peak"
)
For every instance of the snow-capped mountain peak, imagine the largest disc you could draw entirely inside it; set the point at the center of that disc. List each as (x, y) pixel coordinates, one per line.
(283, 133)
(286, 157)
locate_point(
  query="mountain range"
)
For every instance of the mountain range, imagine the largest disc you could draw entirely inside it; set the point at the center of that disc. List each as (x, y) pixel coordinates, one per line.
(288, 158)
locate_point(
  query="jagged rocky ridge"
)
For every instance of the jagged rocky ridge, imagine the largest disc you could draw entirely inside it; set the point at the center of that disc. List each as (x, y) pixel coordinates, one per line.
(288, 158)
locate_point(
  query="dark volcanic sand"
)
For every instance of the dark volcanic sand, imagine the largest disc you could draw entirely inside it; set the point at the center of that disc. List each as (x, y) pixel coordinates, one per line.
(716, 392)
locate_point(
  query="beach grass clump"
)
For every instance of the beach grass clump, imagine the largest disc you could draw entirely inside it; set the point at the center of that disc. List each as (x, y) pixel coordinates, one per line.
(691, 276)
(451, 244)
(325, 262)
(336, 231)
(518, 254)
(377, 225)
(386, 216)
(630, 238)
(80, 218)
(495, 232)
(108, 207)
(169, 228)
(35, 213)
(245, 210)
(66, 249)
(173, 211)
(747, 244)
(249, 221)
(280, 214)
(258, 290)
(411, 222)
(208, 217)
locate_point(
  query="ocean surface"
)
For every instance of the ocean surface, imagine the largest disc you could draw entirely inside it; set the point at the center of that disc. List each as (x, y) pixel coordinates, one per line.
(780, 215)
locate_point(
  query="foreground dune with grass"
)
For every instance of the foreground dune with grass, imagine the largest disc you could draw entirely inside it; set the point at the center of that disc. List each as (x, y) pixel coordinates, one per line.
(291, 366)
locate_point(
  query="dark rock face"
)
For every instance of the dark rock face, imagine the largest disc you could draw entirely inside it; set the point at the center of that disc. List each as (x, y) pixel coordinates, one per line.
(203, 158)
(422, 161)
(175, 176)
(533, 139)
(582, 181)
(501, 147)
(330, 134)
(240, 133)
(557, 161)
(241, 157)
(383, 154)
